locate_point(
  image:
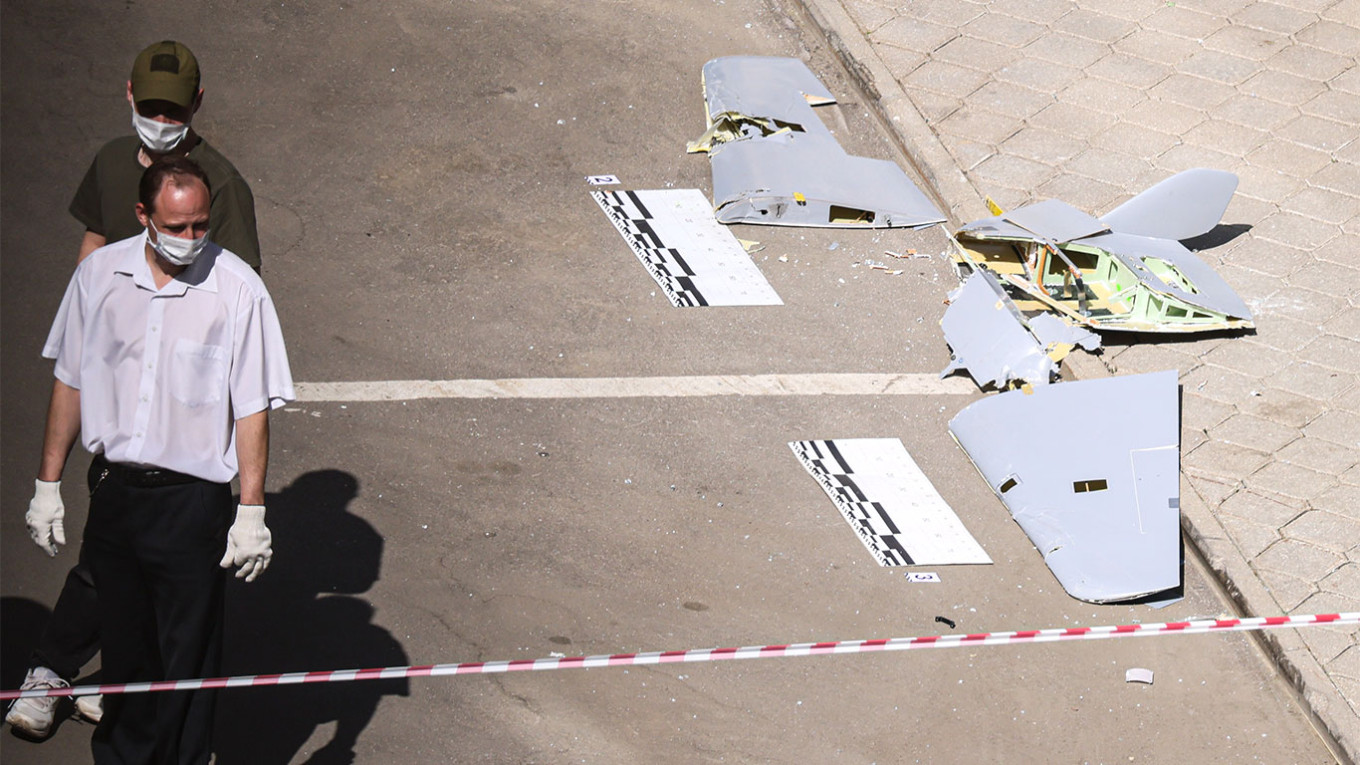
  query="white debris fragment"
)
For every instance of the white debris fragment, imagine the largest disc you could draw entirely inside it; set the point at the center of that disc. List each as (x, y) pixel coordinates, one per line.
(1138, 675)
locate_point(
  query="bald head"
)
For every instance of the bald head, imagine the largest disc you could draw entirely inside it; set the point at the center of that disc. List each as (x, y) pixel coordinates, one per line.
(173, 172)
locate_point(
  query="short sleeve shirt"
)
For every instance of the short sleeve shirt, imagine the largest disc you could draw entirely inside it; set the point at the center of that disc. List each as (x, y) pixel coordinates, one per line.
(164, 374)
(107, 197)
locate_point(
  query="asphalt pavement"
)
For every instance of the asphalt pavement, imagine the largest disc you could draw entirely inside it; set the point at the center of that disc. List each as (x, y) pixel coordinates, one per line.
(419, 177)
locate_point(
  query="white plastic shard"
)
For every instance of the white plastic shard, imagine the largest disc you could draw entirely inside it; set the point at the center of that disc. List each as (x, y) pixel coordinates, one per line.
(1126, 271)
(1090, 471)
(987, 336)
(1138, 675)
(1183, 206)
(775, 162)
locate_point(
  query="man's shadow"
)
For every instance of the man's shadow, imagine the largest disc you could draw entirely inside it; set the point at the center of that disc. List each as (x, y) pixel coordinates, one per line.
(298, 616)
(21, 625)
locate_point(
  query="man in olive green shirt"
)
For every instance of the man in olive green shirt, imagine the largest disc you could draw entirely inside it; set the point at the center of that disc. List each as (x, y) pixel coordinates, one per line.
(164, 93)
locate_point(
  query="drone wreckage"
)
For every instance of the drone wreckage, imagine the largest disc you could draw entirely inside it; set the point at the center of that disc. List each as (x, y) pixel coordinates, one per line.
(1037, 281)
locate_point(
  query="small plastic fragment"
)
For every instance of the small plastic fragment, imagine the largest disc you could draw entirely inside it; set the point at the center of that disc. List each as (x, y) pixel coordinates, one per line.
(1138, 675)
(945, 621)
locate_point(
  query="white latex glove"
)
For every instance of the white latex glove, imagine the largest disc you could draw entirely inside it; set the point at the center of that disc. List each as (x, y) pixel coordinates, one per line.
(248, 543)
(45, 514)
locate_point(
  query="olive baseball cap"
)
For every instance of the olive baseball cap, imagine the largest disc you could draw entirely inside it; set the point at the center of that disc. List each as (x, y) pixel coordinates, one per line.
(165, 71)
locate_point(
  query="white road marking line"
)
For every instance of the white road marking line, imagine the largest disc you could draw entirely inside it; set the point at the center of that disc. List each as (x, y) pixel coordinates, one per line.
(924, 384)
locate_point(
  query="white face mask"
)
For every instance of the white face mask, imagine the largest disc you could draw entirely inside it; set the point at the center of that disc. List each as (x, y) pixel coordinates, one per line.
(177, 249)
(157, 137)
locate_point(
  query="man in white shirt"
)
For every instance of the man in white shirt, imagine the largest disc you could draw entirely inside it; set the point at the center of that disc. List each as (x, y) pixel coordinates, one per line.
(164, 94)
(169, 357)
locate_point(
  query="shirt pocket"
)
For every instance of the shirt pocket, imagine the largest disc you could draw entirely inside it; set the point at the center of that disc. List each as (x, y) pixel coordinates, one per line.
(198, 373)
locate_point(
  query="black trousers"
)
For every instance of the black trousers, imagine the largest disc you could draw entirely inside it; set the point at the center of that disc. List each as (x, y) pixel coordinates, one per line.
(71, 637)
(153, 554)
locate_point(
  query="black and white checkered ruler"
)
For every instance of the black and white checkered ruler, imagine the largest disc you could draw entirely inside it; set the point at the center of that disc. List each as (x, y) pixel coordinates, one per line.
(692, 256)
(889, 502)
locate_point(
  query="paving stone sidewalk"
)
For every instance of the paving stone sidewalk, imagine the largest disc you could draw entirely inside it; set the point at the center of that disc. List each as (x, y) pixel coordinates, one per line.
(1093, 101)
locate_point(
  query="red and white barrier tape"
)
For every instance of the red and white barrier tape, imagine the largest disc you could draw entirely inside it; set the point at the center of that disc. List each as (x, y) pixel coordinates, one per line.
(710, 654)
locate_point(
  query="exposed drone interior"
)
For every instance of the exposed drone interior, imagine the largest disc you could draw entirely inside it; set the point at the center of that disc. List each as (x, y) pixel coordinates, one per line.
(1127, 271)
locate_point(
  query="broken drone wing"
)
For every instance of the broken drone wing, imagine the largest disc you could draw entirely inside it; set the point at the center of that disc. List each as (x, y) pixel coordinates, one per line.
(1055, 221)
(775, 163)
(769, 87)
(987, 336)
(1091, 472)
(805, 179)
(1051, 220)
(1186, 205)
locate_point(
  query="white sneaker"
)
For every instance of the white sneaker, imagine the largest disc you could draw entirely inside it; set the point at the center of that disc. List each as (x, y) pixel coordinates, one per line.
(33, 717)
(90, 707)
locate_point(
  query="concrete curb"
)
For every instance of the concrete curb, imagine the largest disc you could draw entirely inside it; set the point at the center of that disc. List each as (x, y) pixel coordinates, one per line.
(932, 161)
(963, 202)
